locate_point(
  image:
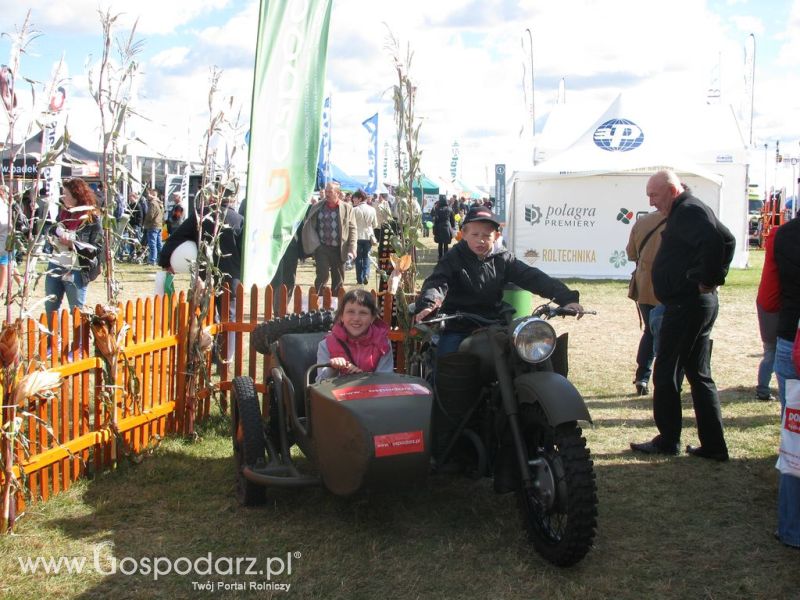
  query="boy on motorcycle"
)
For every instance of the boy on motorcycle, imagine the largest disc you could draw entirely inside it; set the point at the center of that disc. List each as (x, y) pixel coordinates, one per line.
(472, 275)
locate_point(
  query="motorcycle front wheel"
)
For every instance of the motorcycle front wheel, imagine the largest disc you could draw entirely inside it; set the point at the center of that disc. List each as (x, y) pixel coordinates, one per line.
(560, 513)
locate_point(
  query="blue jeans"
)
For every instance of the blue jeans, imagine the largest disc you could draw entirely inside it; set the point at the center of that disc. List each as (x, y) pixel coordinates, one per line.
(656, 316)
(55, 285)
(153, 237)
(449, 341)
(767, 328)
(788, 486)
(362, 261)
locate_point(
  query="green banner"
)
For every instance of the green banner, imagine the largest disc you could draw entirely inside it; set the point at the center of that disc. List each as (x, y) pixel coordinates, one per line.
(284, 128)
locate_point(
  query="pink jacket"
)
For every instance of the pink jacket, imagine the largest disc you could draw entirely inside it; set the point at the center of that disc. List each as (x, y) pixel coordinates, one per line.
(365, 351)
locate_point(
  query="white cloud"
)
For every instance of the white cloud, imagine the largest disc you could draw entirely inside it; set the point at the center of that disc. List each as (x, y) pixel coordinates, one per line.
(748, 24)
(81, 16)
(468, 64)
(171, 57)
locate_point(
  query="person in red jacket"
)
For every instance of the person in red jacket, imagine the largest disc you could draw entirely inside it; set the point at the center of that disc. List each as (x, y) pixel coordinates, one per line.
(768, 303)
(359, 340)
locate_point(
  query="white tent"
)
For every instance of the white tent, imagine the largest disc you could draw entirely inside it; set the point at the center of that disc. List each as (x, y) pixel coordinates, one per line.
(571, 215)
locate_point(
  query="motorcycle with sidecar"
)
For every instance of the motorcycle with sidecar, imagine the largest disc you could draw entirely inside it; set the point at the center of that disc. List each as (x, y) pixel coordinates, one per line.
(500, 407)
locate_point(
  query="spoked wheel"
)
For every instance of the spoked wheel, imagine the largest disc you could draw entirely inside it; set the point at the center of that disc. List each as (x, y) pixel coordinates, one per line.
(248, 439)
(560, 513)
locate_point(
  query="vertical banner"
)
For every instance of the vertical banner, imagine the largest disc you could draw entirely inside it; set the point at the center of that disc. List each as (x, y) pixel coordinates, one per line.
(386, 151)
(284, 129)
(187, 169)
(53, 129)
(500, 192)
(324, 162)
(371, 125)
(7, 94)
(454, 162)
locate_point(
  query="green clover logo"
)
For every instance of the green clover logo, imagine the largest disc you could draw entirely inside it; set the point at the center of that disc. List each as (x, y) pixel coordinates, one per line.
(618, 259)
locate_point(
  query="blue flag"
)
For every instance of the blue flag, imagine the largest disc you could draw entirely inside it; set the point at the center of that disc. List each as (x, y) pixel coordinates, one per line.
(371, 125)
(324, 161)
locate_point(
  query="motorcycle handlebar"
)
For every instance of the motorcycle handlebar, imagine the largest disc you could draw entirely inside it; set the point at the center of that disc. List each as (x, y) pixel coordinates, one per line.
(548, 311)
(545, 311)
(460, 315)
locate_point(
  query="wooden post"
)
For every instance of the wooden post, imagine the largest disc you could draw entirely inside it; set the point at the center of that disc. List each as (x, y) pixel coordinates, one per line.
(181, 425)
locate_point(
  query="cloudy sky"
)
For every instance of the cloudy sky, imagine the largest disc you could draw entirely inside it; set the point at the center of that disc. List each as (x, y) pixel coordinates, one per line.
(469, 57)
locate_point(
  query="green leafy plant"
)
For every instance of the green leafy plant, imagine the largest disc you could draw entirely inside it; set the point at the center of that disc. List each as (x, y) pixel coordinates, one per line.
(406, 242)
(210, 207)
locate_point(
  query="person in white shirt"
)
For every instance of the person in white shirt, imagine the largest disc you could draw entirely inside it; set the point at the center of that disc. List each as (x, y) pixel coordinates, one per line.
(366, 224)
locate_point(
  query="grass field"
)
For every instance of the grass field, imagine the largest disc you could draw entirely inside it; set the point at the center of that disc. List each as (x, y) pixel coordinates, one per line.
(668, 527)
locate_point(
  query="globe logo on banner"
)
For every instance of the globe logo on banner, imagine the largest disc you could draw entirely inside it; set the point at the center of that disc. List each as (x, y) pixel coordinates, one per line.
(618, 135)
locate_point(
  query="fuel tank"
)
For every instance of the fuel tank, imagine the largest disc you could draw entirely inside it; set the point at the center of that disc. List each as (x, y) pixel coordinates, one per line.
(371, 430)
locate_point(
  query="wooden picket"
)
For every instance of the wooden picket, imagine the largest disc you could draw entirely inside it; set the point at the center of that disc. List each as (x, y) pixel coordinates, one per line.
(71, 435)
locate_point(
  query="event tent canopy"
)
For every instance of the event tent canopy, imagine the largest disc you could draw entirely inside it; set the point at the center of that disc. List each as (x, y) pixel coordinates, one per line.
(462, 188)
(76, 160)
(347, 183)
(571, 215)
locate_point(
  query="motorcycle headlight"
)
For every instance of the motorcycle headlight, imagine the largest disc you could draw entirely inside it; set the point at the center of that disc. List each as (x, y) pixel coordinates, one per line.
(534, 340)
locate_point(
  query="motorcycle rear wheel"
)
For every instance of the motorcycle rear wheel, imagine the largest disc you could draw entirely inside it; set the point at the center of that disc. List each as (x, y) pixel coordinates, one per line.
(248, 439)
(561, 530)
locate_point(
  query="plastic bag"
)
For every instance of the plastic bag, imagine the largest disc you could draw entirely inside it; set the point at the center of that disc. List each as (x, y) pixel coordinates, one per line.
(789, 454)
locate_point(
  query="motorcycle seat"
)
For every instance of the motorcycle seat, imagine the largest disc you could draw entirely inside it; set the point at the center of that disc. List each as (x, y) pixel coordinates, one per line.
(297, 352)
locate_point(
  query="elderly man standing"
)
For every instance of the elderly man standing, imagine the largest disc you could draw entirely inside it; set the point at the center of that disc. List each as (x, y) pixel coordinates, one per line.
(691, 263)
(329, 233)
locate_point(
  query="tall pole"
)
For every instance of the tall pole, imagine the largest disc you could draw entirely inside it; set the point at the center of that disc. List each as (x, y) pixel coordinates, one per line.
(752, 83)
(533, 101)
(766, 193)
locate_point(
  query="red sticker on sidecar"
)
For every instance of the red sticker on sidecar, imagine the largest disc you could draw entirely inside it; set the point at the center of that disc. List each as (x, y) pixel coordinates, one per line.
(376, 390)
(390, 444)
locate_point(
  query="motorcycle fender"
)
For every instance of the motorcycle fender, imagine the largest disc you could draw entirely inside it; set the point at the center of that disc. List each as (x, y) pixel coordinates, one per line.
(559, 399)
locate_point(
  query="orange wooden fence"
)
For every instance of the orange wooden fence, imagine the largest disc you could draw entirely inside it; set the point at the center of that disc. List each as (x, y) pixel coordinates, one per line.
(83, 440)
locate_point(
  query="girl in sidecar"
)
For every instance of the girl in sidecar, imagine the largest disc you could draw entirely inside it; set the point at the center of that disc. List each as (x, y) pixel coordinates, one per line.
(358, 342)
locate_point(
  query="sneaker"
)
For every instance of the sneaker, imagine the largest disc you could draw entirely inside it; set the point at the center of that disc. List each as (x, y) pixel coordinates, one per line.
(765, 397)
(641, 388)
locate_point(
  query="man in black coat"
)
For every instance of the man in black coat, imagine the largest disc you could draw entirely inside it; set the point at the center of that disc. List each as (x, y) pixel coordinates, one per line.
(696, 250)
(228, 258)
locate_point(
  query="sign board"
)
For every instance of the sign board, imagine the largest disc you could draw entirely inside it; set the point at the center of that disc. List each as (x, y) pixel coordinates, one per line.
(500, 192)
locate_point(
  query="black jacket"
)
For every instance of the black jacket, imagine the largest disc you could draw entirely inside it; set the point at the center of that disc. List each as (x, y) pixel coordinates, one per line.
(466, 283)
(90, 258)
(138, 212)
(695, 248)
(787, 258)
(229, 259)
(444, 225)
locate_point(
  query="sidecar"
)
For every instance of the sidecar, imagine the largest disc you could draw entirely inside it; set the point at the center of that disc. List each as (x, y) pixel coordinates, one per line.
(361, 431)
